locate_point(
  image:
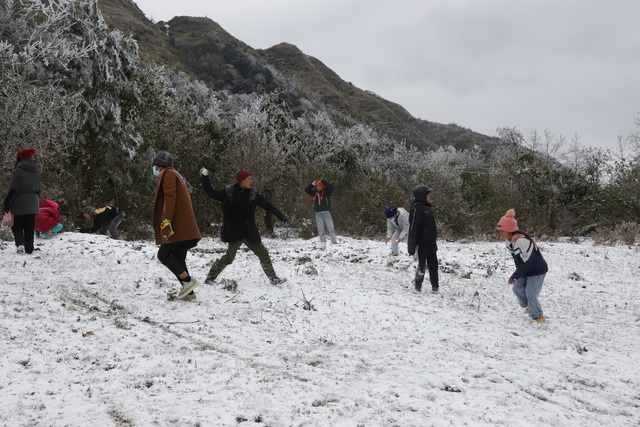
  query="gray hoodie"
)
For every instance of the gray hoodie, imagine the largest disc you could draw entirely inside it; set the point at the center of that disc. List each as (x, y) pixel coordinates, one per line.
(402, 222)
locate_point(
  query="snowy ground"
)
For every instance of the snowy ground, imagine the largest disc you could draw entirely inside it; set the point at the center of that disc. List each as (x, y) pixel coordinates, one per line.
(89, 337)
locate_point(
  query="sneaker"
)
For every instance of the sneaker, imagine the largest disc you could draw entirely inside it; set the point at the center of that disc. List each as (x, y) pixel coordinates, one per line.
(20, 249)
(190, 297)
(277, 281)
(526, 310)
(434, 290)
(540, 319)
(187, 287)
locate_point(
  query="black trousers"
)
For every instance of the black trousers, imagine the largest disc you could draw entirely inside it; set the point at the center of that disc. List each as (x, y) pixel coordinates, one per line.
(428, 257)
(174, 255)
(23, 230)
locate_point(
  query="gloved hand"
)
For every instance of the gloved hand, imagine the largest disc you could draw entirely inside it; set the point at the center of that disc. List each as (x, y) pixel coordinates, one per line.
(166, 229)
(204, 171)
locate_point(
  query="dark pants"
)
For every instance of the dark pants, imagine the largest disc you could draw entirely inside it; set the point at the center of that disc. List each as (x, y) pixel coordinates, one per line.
(23, 230)
(113, 225)
(174, 256)
(427, 256)
(226, 259)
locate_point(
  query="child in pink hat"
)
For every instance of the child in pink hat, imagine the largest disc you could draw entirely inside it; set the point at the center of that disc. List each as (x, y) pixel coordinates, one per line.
(531, 267)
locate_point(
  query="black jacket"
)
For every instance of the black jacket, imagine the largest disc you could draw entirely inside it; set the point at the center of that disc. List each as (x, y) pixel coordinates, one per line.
(103, 217)
(239, 210)
(24, 190)
(321, 199)
(422, 226)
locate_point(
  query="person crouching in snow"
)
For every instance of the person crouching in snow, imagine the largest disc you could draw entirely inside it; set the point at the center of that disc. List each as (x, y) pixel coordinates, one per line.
(107, 216)
(48, 220)
(531, 267)
(174, 223)
(397, 226)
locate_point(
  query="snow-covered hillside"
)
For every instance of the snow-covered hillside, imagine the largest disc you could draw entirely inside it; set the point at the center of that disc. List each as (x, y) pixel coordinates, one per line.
(89, 337)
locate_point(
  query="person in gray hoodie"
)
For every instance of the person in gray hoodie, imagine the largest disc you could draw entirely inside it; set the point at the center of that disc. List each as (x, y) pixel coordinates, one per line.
(23, 200)
(397, 226)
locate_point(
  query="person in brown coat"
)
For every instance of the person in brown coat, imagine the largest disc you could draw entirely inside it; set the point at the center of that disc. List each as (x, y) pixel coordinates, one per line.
(174, 223)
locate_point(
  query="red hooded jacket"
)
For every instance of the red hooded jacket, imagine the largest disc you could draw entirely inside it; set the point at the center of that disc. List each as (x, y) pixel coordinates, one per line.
(48, 217)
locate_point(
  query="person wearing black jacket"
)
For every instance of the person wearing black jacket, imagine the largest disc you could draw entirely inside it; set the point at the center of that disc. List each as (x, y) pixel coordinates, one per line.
(107, 216)
(321, 191)
(239, 202)
(23, 200)
(423, 236)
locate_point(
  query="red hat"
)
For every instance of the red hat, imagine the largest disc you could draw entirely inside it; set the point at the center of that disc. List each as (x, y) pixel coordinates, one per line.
(242, 175)
(26, 154)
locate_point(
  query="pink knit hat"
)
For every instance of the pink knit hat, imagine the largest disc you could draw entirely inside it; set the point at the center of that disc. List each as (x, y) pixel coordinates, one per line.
(508, 222)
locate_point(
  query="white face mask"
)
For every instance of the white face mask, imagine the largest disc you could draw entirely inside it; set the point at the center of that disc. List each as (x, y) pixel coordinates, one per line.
(156, 172)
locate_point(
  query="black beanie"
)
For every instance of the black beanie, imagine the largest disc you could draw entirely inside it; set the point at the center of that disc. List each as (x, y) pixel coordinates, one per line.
(163, 159)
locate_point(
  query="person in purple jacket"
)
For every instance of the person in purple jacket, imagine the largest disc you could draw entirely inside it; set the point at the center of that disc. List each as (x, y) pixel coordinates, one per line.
(531, 267)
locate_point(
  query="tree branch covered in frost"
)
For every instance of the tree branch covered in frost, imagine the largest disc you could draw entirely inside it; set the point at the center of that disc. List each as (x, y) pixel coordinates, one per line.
(72, 88)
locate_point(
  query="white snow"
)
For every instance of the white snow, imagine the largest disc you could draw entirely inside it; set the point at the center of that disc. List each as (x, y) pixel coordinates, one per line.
(89, 337)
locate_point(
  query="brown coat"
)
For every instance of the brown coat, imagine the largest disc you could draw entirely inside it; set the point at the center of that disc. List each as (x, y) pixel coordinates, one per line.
(172, 201)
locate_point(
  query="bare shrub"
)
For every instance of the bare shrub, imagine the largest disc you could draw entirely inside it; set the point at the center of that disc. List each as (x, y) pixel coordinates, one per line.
(627, 232)
(604, 236)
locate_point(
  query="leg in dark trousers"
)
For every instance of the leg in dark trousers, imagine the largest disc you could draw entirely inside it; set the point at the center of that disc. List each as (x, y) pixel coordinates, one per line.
(174, 256)
(263, 255)
(23, 231)
(222, 262)
(427, 258)
(422, 261)
(432, 264)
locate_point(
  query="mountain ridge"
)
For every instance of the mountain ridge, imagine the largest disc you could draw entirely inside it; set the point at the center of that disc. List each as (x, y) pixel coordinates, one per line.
(200, 47)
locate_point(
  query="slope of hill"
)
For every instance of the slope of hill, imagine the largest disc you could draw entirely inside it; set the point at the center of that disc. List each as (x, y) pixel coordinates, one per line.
(89, 338)
(203, 49)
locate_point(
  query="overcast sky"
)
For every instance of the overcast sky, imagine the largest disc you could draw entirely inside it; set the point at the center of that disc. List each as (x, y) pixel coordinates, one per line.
(567, 66)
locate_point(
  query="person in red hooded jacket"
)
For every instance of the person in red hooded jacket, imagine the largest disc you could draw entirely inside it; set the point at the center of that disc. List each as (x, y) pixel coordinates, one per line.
(48, 220)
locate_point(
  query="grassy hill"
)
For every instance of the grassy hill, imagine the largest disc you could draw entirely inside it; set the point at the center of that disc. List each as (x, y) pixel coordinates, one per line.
(204, 50)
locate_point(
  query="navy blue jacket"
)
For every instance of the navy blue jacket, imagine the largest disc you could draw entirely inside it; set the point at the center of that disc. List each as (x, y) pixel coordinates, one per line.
(527, 257)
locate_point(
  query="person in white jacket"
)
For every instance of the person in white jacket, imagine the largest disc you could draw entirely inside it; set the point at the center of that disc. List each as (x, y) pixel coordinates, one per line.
(397, 226)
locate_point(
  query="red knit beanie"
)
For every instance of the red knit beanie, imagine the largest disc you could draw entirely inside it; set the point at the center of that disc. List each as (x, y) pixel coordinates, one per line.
(26, 154)
(508, 222)
(242, 175)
